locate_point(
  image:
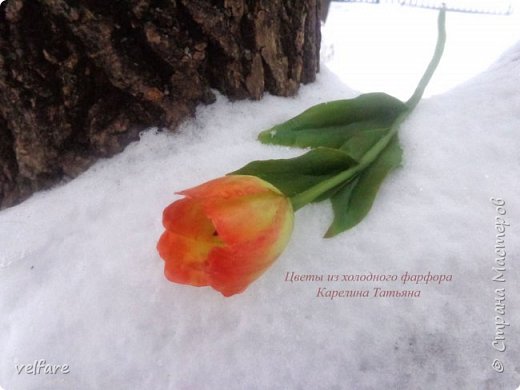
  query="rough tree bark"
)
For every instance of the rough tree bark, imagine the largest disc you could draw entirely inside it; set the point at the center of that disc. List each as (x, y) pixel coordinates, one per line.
(80, 78)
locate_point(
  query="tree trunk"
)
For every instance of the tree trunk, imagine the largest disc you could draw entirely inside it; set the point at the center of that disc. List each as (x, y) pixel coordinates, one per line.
(80, 78)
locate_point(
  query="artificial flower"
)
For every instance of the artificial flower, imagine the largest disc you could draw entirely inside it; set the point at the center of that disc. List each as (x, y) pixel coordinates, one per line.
(225, 233)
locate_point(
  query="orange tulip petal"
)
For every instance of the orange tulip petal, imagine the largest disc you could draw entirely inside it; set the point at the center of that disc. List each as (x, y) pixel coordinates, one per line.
(186, 259)
(232, 268)
(186, 217)
(244, 218)
(229, 187)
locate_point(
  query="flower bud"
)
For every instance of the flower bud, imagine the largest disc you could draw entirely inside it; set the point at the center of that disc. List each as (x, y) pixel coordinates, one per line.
(225, 233)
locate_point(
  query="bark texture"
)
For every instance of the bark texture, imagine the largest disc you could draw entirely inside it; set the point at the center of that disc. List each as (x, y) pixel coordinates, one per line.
(80, 78)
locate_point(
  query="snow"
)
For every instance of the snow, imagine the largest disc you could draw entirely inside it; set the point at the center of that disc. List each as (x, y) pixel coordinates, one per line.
(82, 285)
(366, 44)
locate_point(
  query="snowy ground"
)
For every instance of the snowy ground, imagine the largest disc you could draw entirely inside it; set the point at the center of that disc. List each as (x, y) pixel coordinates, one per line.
(82, 285)
(373, 47)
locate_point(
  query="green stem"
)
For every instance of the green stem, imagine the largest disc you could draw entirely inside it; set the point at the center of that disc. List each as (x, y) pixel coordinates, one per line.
(306, 197)
(439, 49)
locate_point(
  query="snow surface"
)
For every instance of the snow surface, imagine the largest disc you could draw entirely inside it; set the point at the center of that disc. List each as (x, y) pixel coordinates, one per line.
(374, 47)
(81, 283)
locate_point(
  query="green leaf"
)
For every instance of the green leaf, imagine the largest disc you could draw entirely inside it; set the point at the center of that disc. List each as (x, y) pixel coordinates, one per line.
(294, 175)
(331, 137)
(359, 144)
(331, 124)
(353, 202)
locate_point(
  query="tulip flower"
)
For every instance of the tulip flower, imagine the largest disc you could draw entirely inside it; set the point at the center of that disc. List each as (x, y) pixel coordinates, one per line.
(225, 233)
